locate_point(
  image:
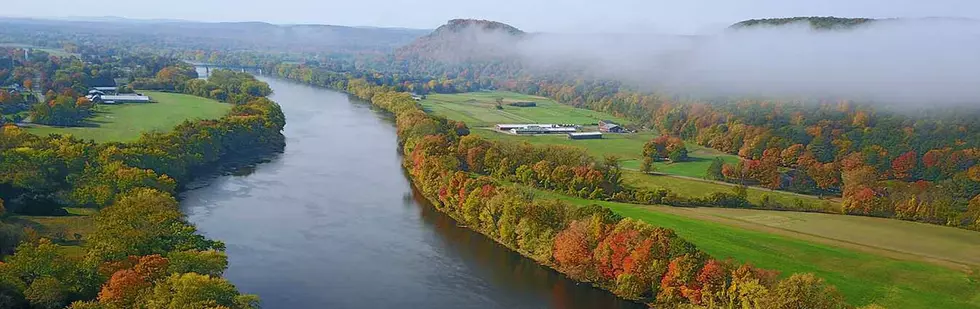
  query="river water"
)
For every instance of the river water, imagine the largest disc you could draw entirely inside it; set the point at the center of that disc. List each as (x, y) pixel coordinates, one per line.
(334, 223)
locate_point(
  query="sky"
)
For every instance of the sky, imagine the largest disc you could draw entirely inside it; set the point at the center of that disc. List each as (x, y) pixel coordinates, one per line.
(659, 16)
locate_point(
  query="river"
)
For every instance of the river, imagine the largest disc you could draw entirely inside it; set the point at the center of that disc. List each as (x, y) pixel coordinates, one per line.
(334, 223)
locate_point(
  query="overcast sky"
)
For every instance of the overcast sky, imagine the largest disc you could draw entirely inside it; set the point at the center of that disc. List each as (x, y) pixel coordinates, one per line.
(665, 16)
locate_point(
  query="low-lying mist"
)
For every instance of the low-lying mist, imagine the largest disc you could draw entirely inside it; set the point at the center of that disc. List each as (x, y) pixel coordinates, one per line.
(903, 62)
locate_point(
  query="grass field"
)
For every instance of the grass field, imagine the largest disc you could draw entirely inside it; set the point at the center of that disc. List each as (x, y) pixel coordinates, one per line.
(863, 278)
(478, 109)
(125, 122)
(628, 147)
(701, 188)
(58, 52)
(67, 231)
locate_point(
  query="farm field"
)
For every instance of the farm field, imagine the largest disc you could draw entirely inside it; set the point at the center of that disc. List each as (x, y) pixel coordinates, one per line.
(863, 277)
(52, 51)
(67, 231)
(125, 122)
(478, 109)
(702, 188)
(629, 149)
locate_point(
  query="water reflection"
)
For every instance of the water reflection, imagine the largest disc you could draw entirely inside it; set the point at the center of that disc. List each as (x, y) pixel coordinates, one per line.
(332, 222)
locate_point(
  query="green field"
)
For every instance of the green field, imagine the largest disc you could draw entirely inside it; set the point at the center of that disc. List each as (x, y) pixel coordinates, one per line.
(478, 109)
(702, 188)
(58, 52)
(628, 147)
(125, 122)
(863, 278)
(67, 231)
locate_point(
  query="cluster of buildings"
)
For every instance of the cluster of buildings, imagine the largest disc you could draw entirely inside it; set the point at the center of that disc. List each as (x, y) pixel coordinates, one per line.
(111, 95)
(605, 126)
(537, 128)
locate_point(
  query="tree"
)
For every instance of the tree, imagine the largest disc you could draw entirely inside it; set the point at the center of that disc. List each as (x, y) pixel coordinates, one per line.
(572, 252)
(46, 293)
(822, 149)
(192, 290)
(647, 165)
(805, 291)
(904, 164)
(715, 169)
(678, 155)
(208, 262)
(143, 222)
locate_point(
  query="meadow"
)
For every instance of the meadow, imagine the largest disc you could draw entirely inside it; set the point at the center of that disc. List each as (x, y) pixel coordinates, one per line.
(479, 109)
(863, 277)
(58, 52)
(702, 188)
(627, 147)
(125, 122)
(68, 231)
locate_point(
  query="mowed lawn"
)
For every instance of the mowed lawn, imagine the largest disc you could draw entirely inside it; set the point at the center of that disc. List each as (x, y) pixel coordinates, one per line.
(628, 147)
(702, 188)
(863, 278)
(478, 109)
(125, 122)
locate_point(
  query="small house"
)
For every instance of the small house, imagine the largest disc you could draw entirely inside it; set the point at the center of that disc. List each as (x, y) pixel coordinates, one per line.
(610, 127)
(110, 90)
(585, 135)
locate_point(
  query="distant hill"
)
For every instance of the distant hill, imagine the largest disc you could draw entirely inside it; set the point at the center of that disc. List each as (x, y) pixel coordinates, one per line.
(822, 23)
(464, 40)
(218, 36)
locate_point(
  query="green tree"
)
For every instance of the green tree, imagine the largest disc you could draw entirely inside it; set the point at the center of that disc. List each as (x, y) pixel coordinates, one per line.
(678, 155)
(208, 262)
(46, 293)
(714, 170)
(192, 290)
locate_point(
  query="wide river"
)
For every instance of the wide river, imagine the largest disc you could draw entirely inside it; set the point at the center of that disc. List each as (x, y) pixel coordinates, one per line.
(333, 223)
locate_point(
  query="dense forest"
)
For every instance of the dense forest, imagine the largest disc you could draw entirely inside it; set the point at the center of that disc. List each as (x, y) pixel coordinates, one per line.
(462, 175)
(142, 250)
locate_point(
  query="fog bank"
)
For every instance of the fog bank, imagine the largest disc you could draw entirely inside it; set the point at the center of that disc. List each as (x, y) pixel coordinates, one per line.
(930, 61)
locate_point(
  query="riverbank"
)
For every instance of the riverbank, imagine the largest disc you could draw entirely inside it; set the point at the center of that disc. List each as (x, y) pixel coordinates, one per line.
(303, 229)
(138, 226)
(555, 234)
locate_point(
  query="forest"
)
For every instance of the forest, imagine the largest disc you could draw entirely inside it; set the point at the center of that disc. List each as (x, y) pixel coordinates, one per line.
(142, 250)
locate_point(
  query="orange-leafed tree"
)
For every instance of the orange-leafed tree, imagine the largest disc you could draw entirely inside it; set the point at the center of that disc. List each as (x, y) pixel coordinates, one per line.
(572, 250)
(904, 164)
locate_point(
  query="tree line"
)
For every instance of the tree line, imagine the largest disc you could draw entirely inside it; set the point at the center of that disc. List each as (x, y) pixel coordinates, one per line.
(143, 252)
(463, 176)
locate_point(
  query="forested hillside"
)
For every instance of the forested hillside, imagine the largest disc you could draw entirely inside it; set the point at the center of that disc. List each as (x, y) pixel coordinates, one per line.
(159, 36)
(821, 23)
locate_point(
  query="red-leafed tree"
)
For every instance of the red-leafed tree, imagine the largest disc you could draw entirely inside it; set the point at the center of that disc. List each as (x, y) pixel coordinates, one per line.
(904, 164)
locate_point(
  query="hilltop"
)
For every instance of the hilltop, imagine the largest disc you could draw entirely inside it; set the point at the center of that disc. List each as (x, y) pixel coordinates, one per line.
(464, 40)
(816, 22)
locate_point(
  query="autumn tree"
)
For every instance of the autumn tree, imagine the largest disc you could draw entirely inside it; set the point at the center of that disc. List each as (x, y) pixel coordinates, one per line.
(904, 164)
(572, 250)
